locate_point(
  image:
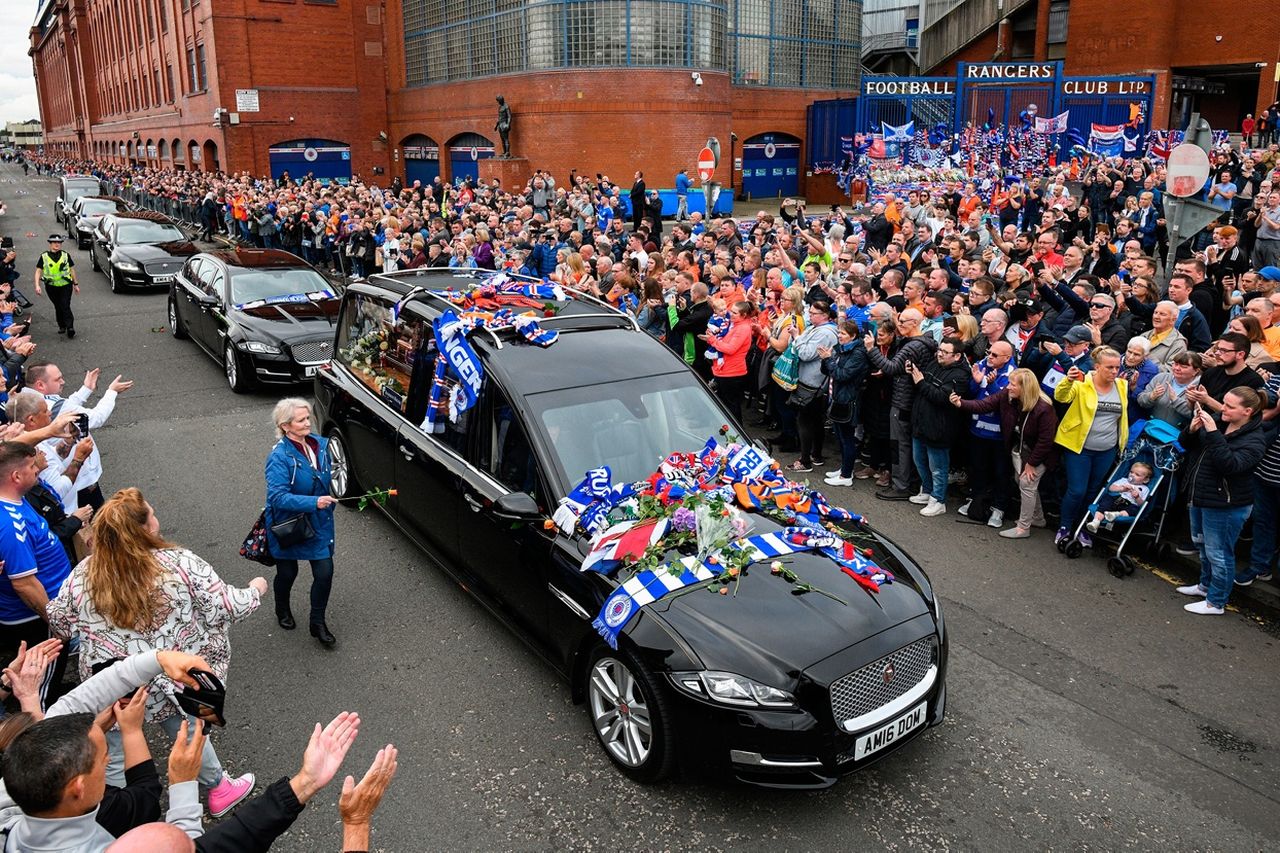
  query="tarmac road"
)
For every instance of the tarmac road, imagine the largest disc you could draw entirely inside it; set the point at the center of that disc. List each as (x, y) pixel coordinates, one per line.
(1085, 712)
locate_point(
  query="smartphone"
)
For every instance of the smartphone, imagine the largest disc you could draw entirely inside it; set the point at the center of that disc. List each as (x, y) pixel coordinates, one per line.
(82, 424)
(205, 703)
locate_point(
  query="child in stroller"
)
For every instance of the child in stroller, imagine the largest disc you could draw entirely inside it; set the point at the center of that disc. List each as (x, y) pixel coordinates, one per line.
(1125, 496)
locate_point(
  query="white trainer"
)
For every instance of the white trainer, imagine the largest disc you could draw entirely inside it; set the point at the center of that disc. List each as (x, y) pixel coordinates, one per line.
(1203, 608)
(997, 519)
(1193, 589)
(933, 508)
(921, 499)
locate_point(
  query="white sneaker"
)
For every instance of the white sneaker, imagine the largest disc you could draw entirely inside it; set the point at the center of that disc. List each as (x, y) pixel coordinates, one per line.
(933, 508)
(1203, 608)
(964, 508)
(1092, 525)
(1194, 589)
(839, 481)
(997, 519)
(921, 499)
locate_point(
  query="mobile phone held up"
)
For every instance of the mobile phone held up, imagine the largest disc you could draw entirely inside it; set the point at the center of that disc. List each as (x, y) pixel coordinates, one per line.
(82, 425)
(206, 702)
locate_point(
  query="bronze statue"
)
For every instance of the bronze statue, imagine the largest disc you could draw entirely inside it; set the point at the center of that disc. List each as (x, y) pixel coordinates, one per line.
(504, 127)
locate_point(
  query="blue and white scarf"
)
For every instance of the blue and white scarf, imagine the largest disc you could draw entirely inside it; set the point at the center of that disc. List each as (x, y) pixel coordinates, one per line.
(645, 588)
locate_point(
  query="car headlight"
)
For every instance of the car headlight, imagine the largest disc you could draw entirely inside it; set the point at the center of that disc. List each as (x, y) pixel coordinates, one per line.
(127, 266)
(728, 688)
(259, 347)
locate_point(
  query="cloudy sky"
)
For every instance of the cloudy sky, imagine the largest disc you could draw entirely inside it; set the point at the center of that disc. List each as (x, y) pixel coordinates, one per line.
(17, 86)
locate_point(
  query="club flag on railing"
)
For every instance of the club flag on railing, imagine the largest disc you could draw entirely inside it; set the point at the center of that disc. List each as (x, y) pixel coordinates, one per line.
(1057, 124)
(902, 133)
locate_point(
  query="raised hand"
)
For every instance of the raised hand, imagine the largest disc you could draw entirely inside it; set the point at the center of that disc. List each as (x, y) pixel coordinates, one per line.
(357, 803)
(324, 754)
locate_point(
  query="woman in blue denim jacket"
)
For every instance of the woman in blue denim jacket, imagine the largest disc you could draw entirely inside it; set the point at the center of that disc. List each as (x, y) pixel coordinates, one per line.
(297, 474)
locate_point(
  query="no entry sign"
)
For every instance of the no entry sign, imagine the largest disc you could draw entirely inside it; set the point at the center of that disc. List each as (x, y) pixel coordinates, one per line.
(706, 164)
(1187, 170)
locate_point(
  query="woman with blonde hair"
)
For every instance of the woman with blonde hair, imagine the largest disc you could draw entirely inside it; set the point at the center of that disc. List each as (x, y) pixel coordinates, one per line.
(1028, 425)
(1091, 433)
(139, 592)
(298, 490)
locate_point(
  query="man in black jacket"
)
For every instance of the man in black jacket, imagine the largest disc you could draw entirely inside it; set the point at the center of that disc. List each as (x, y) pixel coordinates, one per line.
(934, 423)
(639, 206)
(878, 230)
(692, 320)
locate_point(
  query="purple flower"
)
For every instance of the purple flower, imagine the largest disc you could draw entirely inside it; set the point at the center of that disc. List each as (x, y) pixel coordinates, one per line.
(684, 520)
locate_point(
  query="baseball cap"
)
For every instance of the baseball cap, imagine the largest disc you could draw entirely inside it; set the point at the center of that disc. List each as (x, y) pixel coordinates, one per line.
(1078, 335)
(1270, 273)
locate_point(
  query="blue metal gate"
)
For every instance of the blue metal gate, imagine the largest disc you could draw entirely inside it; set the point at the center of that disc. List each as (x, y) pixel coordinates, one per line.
(465, 153)
(1107, 100)
(327, 159)
(421, 160)
(927, 101)
(770, 166)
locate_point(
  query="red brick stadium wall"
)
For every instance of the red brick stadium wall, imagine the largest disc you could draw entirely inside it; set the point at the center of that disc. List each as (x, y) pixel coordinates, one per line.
(608, 121)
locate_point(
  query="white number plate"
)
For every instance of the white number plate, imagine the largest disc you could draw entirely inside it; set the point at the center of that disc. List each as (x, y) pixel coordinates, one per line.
(880, 738)
(310, 371)
(162, 279)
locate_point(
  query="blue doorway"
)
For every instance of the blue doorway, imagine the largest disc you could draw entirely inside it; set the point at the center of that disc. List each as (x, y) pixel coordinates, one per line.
(465, 153)
(421, 159)
(327, 159)
(770, 166)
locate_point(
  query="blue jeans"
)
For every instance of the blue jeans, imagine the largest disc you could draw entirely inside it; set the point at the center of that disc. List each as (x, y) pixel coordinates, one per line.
(1086, 471)
(1214, 532)
(847, 435)
(1266, 503)
(210, 766)
(321, 584)
(933, 465)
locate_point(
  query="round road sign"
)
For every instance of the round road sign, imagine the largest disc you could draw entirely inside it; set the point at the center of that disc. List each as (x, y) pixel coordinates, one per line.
(1188, 169)
(706, 164)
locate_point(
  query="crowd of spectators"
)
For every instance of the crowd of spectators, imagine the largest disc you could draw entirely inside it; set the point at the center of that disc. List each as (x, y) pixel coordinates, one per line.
(1062, 274)
(988, 351)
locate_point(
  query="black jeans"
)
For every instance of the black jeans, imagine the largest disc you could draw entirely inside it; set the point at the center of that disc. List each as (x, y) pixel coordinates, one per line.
(321, 584)
(811, 422)
(60, 296)
(730, 390)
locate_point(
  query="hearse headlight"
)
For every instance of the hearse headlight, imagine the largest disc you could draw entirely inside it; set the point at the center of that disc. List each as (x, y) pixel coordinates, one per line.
(260, 347)
(728, 688)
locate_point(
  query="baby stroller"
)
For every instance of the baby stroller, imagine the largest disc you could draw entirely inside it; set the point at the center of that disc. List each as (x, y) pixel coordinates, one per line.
(1154, 442)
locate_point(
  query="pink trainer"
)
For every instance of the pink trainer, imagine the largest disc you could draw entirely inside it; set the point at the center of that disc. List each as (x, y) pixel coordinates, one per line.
(229, 793)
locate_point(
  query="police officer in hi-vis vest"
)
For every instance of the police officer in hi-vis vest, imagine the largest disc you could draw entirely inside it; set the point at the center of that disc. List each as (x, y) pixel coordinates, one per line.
(54, 268)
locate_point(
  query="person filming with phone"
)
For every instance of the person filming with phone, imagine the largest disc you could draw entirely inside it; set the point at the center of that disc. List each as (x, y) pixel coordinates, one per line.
(1224, 451)
(48, 379)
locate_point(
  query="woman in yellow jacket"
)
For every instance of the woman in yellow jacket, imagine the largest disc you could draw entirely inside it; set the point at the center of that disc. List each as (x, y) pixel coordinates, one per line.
(1091, 433)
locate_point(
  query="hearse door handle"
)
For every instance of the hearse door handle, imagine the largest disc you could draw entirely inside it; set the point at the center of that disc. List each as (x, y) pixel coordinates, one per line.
(408, 452)
(475, 505)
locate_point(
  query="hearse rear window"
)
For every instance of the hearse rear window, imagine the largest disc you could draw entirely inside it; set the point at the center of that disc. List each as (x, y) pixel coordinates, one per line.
(379, 349)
